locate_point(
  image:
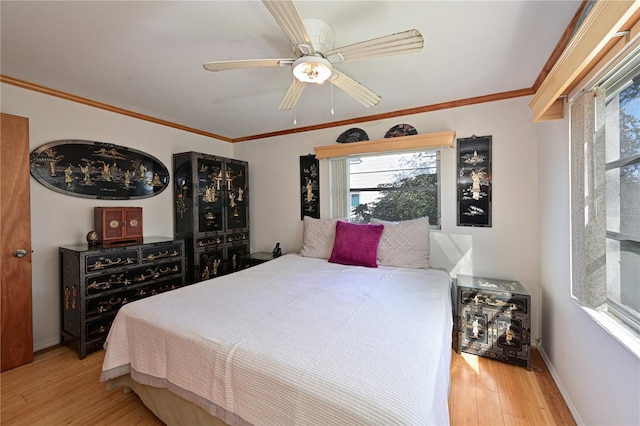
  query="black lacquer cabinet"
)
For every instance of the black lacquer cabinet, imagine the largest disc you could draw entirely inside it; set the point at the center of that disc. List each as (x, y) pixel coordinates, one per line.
(211, 202)
(97, 282)
(494, 319)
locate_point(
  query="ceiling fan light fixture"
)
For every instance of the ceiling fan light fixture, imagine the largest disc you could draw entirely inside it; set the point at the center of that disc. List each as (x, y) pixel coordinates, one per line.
(312, 69)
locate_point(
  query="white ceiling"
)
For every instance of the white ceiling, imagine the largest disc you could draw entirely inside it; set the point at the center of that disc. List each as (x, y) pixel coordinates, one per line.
(146, 56)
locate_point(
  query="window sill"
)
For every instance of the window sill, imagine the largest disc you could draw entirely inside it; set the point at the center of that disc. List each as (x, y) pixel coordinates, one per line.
(616, 328)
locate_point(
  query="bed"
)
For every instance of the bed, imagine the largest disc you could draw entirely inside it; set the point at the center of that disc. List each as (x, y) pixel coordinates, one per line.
(296, 340)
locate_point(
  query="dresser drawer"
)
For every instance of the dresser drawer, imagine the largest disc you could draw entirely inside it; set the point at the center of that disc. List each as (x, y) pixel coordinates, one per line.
(99, 328)
(108, 283)
(152, 254)
(110, 260)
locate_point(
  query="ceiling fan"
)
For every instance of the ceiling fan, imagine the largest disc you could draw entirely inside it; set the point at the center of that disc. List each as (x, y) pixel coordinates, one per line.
(315, 57)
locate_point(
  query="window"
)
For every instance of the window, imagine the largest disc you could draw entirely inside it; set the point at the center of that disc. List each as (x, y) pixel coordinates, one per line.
(394, 186)
(605, 182)
(622, 200)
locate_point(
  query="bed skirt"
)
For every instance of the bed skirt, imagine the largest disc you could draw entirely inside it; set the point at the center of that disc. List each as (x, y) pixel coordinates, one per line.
(166, 406)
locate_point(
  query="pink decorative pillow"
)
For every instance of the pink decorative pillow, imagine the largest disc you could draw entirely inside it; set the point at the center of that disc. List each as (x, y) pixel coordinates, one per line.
(356, 244)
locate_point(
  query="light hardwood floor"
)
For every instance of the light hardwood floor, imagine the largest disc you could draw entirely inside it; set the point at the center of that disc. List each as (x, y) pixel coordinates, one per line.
(58, 388)
(488, 392)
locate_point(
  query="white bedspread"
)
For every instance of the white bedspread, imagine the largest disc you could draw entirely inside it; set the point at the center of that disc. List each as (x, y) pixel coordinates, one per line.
(297, 341)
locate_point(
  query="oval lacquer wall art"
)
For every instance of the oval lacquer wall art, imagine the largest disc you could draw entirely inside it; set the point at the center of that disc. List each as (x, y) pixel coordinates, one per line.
(98, 170)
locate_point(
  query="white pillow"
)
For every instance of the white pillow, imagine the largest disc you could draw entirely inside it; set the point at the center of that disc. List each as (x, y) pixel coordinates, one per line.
(318, 237)
(404, 244)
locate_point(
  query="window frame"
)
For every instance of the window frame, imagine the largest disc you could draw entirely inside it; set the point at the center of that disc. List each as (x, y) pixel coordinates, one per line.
(589, 235)
(613, 86)
(435, 151)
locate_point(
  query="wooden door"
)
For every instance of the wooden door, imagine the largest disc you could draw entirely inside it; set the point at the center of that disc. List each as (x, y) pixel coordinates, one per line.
(15, 248)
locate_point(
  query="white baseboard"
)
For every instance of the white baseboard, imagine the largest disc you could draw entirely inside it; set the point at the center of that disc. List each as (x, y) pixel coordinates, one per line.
(561, 388)
(46, 344)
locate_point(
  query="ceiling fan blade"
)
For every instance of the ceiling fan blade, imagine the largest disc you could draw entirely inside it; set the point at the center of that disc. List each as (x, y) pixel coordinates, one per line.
(294, 91)
(246, 63)
(394, 44)
(356, 90)
(287, 16)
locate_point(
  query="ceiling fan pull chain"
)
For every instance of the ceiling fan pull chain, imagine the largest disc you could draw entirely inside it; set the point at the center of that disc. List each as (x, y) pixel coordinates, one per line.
(332, 99)
(294, 105)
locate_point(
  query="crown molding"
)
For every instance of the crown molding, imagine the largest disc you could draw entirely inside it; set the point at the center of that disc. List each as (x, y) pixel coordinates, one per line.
(85, 101)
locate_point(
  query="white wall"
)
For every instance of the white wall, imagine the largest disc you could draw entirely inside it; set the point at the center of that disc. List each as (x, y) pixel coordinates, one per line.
(599, 377)
(509, 249)
(58, 219)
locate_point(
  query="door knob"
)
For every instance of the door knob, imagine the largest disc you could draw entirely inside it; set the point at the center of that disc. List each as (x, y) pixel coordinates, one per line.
(20, 253)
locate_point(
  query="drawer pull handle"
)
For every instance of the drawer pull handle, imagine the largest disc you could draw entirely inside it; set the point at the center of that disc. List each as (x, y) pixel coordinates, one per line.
(74, 295)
